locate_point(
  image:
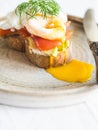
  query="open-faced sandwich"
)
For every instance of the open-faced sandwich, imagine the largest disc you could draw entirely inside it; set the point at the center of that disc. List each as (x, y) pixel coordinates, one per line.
(38, 28)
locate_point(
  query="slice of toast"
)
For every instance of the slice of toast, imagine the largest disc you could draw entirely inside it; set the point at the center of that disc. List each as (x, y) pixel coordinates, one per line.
(44, 60)
(16, 42)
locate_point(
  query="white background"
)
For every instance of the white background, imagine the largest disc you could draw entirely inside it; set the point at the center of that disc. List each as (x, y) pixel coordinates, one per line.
(74, 7)
(82, 116)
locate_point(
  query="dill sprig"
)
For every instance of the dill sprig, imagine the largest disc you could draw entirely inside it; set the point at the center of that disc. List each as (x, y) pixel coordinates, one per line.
(32, 7)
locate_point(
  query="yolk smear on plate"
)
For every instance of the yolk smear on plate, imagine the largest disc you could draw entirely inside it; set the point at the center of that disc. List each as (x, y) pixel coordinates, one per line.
(75, 71)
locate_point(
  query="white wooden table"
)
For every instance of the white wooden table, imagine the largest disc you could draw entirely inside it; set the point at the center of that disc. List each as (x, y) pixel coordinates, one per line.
(81, 116)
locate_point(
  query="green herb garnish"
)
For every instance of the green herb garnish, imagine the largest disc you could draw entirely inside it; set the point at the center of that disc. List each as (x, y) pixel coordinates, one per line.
(32, 7)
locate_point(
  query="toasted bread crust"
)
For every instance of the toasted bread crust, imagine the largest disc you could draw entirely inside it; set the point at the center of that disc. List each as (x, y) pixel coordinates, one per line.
(39, 60)
(16, 42)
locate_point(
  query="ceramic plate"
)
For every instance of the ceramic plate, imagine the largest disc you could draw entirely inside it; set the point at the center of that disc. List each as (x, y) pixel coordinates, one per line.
(23, 84)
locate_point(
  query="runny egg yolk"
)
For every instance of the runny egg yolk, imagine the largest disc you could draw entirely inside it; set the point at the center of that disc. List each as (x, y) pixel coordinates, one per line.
(75, 71)
(56, 23)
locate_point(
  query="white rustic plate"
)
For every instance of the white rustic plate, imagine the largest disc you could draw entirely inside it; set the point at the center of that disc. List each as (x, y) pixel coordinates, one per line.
(23, 84)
